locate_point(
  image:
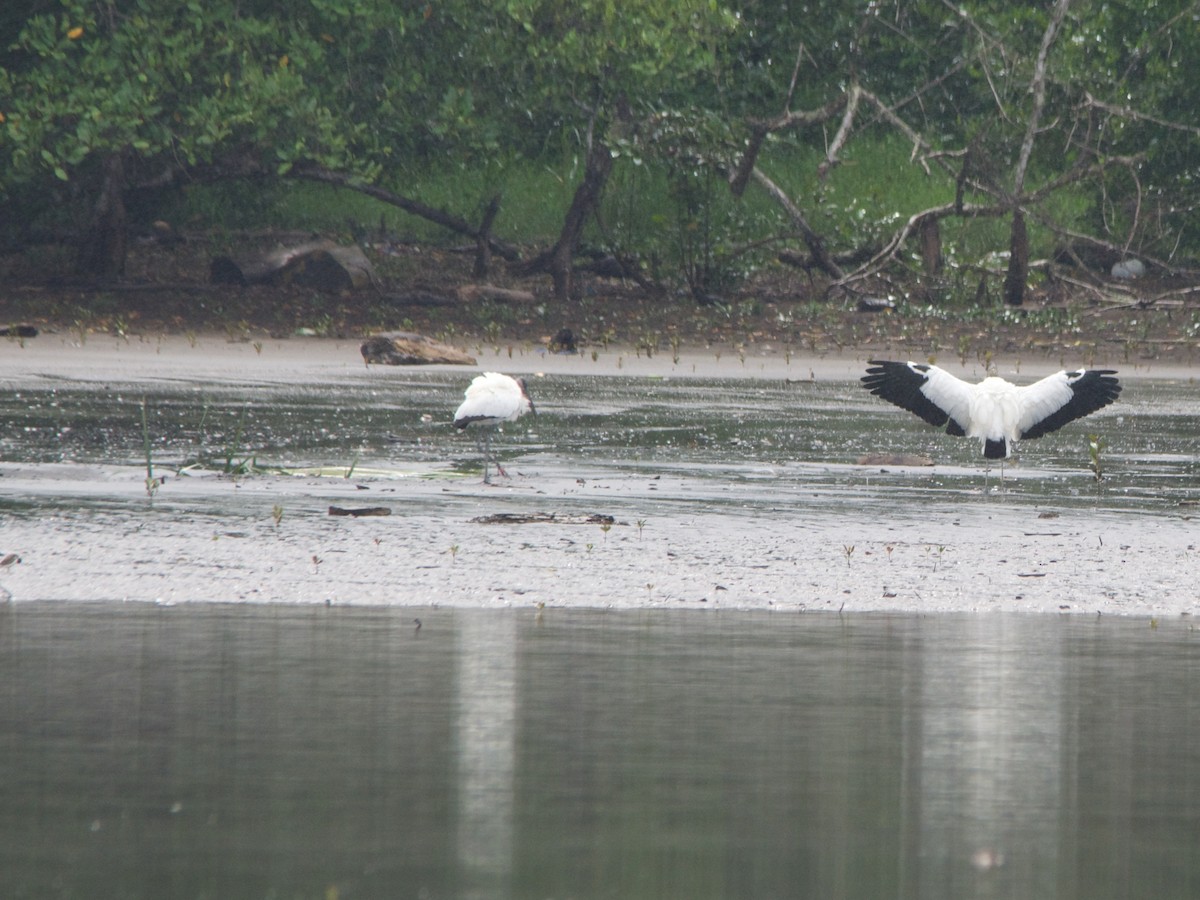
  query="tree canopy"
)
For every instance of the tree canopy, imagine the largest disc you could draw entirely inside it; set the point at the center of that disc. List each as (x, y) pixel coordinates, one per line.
(101, 100)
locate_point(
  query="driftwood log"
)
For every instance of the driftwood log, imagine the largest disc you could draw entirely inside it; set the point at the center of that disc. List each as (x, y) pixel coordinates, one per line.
(474, 293)
(418, 297)
(543, 518)
(360, 511)
(404, 348)
(321, 264)
(894, 459)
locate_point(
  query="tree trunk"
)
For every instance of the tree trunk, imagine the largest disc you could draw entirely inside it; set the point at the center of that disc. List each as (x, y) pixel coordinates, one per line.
(1018, 262)
(103, 246)
(931, 246)
(483, 243)
(557, 261)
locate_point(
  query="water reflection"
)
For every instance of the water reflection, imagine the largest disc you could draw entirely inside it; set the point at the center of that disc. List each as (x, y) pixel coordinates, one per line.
(283, 751)
(486, 743)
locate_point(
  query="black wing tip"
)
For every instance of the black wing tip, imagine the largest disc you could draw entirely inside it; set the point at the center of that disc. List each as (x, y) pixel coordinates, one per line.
(1102, 383)
(880, 369)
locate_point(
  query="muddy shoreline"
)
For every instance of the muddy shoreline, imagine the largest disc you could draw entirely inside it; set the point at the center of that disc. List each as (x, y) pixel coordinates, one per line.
(785, 535)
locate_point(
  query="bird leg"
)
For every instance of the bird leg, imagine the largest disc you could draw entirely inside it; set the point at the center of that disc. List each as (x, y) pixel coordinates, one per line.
(496, 459)
(987, 477)
(483, 445)
(485, 448)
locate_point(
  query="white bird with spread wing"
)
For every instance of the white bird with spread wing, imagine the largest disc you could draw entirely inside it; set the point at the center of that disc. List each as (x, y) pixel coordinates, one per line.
(995, 411)
(490, 400)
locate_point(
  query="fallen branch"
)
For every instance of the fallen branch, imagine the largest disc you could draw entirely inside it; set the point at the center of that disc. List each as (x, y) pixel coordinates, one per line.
(360, 511)
(404, 348)
(816, 245)
(415, 207)
(893, 245)
(541, 518)
(477, 293)
(322, 264)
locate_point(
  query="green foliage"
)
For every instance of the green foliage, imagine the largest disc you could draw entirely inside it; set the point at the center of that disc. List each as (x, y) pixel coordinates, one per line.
(163, 83)
(455, 102)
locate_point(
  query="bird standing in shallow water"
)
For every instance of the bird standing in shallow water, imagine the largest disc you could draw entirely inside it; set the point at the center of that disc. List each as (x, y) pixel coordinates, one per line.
(493, 398)
(995, 411)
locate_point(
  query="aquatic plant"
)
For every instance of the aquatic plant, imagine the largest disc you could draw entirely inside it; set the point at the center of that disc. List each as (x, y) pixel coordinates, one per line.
(1096, 446)
(152, 483)
(248, 464)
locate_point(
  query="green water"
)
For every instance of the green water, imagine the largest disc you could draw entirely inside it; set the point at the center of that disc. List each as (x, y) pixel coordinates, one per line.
(279, 751)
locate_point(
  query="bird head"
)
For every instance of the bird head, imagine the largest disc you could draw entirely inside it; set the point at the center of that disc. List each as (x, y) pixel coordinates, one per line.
(525, 394)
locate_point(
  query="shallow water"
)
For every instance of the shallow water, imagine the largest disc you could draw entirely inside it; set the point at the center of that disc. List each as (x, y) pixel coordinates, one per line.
(724, 491)
(285, 751)
(741, 430)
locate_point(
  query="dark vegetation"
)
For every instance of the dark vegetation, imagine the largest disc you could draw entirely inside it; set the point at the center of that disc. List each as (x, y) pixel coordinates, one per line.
(653, 172)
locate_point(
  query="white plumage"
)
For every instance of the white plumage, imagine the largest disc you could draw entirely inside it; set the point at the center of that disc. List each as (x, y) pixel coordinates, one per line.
(493, 398)
(995, 411)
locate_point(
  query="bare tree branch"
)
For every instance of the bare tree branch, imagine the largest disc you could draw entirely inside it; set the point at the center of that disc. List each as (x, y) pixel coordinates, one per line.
(815, 244)
(898, 239)
(760, 128)
(1127, 112)
(918, 142)
(1017, 276)
(1038, 88)
(1078, 237)
(987, 41)
(1076, 174)
(447, 220)
(843, 132)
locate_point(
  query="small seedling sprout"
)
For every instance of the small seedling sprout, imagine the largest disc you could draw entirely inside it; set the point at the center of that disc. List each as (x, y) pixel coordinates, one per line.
(1096, 446)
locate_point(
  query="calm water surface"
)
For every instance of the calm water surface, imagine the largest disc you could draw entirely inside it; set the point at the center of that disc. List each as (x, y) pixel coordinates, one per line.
(716, 433)
(282, 751)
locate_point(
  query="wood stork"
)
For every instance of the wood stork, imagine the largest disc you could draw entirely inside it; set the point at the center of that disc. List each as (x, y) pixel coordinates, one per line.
(493, 398)
(995, 411)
